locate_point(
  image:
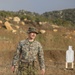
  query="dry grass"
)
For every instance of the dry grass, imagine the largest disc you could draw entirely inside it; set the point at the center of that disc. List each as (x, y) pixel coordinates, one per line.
(56, 42)
(54, 61)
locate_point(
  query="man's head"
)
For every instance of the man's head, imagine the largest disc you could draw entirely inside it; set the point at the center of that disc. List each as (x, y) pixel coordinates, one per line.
(32, 32)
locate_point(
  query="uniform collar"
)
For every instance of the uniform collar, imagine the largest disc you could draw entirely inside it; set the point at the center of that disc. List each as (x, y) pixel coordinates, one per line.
(28, 42)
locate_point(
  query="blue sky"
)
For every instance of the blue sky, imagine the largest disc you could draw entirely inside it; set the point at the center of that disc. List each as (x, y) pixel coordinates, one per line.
(38, 6)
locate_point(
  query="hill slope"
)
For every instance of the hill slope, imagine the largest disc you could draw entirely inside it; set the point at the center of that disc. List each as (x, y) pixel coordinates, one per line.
(55, 42)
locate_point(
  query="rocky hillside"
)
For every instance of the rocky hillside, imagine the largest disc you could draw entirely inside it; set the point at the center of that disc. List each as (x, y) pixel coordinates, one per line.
(52, 36)
(62, 17)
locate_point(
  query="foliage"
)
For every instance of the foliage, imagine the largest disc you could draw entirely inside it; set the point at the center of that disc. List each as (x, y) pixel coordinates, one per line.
(62, 17)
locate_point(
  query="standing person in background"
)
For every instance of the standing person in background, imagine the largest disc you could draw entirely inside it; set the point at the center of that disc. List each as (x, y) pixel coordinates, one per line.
(26, 55)
(70, 57)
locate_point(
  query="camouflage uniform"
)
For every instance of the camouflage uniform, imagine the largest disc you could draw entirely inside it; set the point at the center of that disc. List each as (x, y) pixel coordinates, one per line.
(27, 54)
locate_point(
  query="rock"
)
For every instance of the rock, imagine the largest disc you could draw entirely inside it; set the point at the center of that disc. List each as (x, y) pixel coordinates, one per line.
(14, 31)
(10, 18)
(6, 19)
(17, 27)
(8, 26)
(22, 23)
(40, 23)
(70, 37)
(42, 31)
(74, 31)
(25, 19)
(55, 30)
(1, 22)
(55, 26)
(16, 19)
(0, 27)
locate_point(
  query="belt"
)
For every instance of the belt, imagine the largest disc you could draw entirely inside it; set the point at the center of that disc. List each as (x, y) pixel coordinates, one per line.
(27, 61)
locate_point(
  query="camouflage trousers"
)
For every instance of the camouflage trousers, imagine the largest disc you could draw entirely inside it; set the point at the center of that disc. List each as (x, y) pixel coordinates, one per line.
(27, 69)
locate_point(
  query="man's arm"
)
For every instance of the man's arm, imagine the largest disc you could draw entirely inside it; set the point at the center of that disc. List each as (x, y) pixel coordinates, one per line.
(16, 57)
(41, 59)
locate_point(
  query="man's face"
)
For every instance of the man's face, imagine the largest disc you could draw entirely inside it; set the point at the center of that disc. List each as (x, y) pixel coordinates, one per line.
(32, 35)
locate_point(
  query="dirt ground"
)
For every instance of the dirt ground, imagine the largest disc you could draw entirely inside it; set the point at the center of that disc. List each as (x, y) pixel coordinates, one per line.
(54, 61)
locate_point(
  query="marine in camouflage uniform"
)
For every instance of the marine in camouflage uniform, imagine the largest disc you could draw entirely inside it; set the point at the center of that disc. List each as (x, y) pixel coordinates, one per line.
(26, 57)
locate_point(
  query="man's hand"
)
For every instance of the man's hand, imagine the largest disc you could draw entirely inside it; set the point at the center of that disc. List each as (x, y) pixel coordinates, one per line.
(13, 68)
(43, 71)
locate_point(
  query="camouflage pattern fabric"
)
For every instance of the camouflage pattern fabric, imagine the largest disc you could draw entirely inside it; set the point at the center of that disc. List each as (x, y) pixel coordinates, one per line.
(27, 69)
(29, 52)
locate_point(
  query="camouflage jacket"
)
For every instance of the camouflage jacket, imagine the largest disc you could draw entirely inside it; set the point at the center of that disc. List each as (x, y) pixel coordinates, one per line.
(29, 52)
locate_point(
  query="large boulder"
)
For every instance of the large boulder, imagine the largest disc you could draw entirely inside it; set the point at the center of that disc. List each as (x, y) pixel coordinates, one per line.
(16, 19)
(8, 26)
